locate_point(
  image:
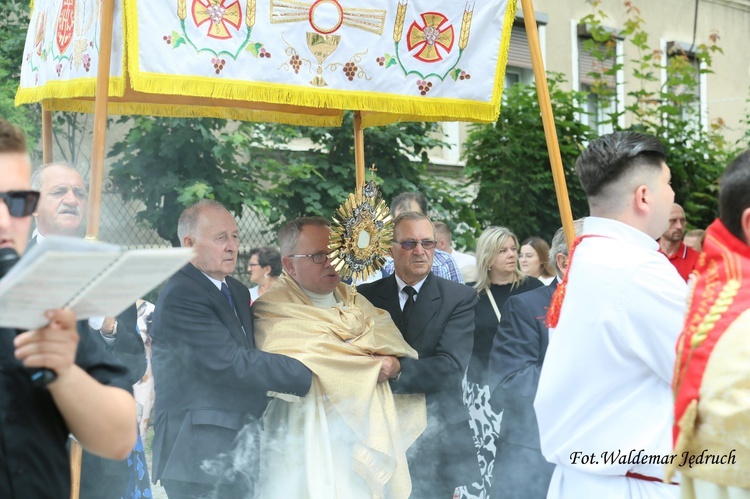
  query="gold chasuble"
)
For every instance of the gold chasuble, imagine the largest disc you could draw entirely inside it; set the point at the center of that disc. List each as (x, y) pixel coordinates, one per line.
(348, 437)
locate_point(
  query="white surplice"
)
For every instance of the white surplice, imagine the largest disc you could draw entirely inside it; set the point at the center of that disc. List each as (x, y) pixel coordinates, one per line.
(605, 382)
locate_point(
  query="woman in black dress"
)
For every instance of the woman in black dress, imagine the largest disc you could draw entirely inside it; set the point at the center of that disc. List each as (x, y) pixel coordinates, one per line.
(498, 277)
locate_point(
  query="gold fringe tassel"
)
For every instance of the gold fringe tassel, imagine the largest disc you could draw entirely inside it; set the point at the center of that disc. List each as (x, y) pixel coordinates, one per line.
(71, 89)
(394, 108)
(181, 111)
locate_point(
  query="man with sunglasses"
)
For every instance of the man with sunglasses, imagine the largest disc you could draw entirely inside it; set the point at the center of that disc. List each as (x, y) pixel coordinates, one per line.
(90, 395)
(348, 436)
(61, 211)
(443, 263)
(436, 317)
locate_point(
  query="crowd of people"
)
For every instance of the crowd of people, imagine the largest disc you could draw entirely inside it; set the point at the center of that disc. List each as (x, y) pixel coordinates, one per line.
(525, 370)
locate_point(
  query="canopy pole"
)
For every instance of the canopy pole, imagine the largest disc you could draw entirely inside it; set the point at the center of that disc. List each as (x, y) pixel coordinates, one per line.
(100, 120)
(359, 150)
(76, 454)
(95, 183)
(46, 136)
(548, 120)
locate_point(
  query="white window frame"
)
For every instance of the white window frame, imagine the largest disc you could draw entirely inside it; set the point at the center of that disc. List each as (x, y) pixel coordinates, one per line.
(619, 78)
(702, 80)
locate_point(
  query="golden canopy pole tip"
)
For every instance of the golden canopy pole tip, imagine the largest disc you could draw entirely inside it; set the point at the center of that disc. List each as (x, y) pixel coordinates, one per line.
(548, 120)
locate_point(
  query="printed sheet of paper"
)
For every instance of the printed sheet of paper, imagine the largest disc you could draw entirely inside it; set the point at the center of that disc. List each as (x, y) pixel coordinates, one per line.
(136, 273)
(89, 277)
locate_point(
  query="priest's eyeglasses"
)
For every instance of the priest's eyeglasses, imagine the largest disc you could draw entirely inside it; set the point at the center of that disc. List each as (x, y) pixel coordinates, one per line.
(316, 258)
(20, 203)
(410, 245)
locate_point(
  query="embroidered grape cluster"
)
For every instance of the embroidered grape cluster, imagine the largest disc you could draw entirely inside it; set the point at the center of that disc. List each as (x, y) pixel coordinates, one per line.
(380, 60)
(168, 39)
(218, 64)
(58, 68)
(424, 86)
(296, 63)
(86, 62)
(464, 76)
(350, 70)
(264, 53)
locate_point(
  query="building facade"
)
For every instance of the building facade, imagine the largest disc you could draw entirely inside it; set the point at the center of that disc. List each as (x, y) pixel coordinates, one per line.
(673, 26)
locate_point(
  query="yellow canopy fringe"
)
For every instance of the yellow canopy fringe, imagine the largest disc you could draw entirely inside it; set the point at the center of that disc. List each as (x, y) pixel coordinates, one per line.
(177, 111)
(68, 90)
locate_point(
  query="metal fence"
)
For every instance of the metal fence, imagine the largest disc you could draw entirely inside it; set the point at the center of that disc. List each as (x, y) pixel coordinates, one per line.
(117, 225)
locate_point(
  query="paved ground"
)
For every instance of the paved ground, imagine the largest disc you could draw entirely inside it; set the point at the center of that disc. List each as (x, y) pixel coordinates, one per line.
(156, 490)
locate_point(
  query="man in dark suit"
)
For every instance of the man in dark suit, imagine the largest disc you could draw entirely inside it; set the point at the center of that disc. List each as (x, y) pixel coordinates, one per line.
(520, 470)
(436, 317)
(210, 380)
(61, 212)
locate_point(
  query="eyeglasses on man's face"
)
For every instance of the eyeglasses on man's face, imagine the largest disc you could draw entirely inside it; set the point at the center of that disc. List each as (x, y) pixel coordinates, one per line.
(316, 258)
(410, 245)
(20, 203)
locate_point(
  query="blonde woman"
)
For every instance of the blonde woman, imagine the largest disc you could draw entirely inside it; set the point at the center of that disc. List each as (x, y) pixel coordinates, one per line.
(498, 277)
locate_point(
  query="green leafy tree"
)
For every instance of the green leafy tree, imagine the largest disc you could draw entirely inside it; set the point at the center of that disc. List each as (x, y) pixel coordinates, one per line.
(170, 163)
(14, 22)
(318, 180)
(510, 163)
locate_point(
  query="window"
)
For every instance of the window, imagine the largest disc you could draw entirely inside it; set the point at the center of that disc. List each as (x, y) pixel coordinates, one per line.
(595, 74)
(685, 82)
(519, 69)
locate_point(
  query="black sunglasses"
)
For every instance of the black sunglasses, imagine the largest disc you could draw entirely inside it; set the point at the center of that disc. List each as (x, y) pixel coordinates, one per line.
(410, 245)
(20, 203)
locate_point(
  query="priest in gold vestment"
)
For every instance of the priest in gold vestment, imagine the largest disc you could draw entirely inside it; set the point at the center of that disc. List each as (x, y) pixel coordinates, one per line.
(348, 437)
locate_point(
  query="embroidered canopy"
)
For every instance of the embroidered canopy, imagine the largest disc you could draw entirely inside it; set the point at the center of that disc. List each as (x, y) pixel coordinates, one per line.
(294, 61)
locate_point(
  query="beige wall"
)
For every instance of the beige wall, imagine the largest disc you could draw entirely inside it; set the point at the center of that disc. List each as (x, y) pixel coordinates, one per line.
(727, 88)
(670, 20)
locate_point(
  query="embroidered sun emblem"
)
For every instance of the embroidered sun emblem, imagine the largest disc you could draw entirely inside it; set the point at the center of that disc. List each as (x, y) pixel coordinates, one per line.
(436, 32)
(218, 15)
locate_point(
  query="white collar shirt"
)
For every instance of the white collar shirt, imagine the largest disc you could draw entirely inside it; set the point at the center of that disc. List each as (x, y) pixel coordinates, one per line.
(402, 296)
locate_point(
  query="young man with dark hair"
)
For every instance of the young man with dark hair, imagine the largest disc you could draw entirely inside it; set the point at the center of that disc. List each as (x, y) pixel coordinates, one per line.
(604, 389)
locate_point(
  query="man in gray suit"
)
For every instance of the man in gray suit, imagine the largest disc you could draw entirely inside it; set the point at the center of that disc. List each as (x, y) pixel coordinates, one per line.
(210, 380)
(436, 317)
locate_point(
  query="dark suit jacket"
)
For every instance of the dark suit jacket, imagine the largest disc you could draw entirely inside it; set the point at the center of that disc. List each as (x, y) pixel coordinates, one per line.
(441, 330)
(516, 361)
(210, 380)
(100, 477)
